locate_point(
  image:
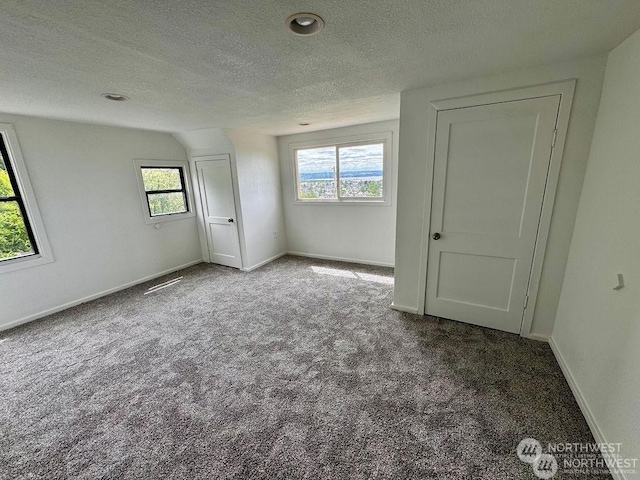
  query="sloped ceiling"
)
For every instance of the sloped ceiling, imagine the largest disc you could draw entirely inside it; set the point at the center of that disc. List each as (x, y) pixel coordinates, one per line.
(195, 64)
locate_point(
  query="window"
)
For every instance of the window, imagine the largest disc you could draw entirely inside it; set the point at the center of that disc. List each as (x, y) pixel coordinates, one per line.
(349, 171)
(164, 190)
(16, 236)
(22, 239)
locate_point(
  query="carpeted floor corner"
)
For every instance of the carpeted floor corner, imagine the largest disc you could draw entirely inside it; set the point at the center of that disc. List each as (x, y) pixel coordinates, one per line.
(298, 370)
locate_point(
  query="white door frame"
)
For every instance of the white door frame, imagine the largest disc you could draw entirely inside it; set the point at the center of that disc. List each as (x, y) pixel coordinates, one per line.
(204, 242)
(565, 89)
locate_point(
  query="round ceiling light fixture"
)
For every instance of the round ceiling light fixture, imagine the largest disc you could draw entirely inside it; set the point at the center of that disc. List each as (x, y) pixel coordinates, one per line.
(304, 124)
(116, 97)
(305, 23)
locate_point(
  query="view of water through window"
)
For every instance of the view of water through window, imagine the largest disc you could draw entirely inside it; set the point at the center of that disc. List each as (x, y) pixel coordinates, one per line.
(360, 172)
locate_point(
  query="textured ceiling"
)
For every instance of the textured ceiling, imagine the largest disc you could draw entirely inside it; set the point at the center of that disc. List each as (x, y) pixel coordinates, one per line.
(194, 64)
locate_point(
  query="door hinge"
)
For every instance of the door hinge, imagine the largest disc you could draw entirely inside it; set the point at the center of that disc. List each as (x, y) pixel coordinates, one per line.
(526, 301)
(555, 136)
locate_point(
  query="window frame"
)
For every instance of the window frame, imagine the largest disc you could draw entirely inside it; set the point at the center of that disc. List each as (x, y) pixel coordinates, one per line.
(26, 199)
(340, 142)
(185, 175)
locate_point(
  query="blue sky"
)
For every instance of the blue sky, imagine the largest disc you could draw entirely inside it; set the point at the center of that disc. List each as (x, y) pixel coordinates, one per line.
(356, 158)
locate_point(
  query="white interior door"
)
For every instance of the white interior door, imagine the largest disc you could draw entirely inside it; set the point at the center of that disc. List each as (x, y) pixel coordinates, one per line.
(490, 172)
(219, 211)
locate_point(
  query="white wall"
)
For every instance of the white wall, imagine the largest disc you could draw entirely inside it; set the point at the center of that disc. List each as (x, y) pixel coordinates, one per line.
(257, 190)
(361, 233)
(597, 330)
(260, 195)
(86, 188)
(413, 177)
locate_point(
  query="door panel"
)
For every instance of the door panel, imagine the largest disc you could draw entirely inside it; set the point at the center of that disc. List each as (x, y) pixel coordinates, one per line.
(218, 206)
(490, 171)
(472, 204)
(462, 279)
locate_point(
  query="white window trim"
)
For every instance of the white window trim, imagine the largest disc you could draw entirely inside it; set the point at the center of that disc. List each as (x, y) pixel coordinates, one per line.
(184, 164)
(44, 254)
(382, 137)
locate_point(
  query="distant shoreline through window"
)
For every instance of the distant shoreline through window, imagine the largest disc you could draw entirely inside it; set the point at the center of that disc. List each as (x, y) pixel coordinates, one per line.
(341, 172)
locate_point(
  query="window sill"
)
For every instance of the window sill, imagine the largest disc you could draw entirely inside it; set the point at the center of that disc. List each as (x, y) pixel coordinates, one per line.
(370, 203)
(168, 218)
(24, 262)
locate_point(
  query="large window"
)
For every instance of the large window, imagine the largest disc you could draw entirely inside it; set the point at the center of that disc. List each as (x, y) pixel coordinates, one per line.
(346, 171)
(164, 189)
(22, 239)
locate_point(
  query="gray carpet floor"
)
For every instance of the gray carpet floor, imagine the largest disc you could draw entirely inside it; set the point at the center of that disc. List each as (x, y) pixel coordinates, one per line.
(298, 370)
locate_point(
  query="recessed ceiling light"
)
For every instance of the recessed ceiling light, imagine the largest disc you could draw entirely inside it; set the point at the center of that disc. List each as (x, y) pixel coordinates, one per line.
(305, 23)
(116, 97)
(304, 124)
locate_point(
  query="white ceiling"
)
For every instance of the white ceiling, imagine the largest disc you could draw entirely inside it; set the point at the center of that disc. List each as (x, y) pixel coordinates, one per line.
(194, 64)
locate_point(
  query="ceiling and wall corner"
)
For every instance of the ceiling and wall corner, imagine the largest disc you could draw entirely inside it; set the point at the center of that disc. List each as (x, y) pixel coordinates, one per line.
(206, 141)
(203, 64)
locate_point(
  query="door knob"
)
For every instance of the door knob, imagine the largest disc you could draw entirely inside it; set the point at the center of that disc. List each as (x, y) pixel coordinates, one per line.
(230, 220)
(436, 236)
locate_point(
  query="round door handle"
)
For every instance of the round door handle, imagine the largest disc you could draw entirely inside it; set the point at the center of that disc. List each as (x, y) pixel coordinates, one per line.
(230, 220)
(436, 236)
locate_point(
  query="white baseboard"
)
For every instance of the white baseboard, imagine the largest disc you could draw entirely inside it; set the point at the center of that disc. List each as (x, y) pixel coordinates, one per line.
(536, 336)
(89, 298)
(342, 259)
(268, 260)
(582, 403)
(403, 308)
